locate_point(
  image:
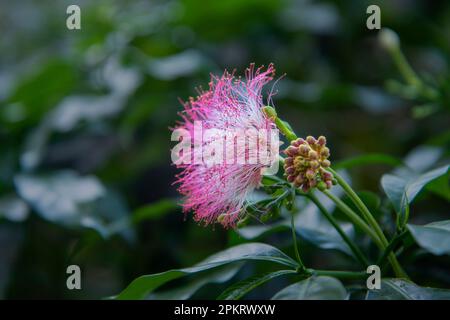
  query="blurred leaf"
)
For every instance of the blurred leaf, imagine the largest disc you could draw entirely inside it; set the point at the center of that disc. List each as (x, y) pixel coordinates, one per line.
(58, 196)
(376, 100)
(220, 275)
(399, 187)
(121, 81)
(440, 186)
(177, 65)
(144, 285)
(13, 208)
(433, 237)
(398, 289)
(367, 159)
(71, 200)
(313, 288)
(35, 146)
(424, 110)
(320, 18)
(39, 91)
(423, 158)
(240, 289)
(106, 212)
(154, 210)
(310, 225)
(229, 18)
(149, 212)
(74, 109)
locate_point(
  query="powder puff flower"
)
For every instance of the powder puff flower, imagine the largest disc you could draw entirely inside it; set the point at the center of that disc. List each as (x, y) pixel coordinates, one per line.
(306, 163)
(216, 191)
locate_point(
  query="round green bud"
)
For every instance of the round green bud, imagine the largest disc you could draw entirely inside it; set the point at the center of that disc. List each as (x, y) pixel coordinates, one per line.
(322, 186)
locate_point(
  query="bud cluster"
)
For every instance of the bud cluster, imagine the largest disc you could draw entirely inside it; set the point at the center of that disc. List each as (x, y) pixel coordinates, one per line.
(306, 163)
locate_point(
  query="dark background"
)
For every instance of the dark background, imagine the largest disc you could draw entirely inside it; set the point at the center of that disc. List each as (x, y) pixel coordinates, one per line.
(85, 172)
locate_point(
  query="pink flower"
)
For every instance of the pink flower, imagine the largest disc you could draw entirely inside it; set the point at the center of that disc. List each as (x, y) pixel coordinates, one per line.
(218, 192)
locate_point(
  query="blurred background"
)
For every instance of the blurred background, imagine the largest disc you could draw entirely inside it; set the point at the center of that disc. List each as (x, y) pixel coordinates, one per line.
(85, 172)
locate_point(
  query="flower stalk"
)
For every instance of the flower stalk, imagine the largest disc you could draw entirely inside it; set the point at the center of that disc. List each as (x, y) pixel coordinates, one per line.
(356, 251)
(391, 42)
(354, 218)
(294, 239)
(371, 221)
(283, 126)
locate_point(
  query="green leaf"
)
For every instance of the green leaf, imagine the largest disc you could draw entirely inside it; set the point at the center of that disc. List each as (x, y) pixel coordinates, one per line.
(151, 211)
(37, 92)
(143, 285)
(219, 275)
(313, 288)
(398, 289)
(441, 187)
(367, 159)
(402, 190)
(434, 237)
(13, 208)
(423, 158)
(74, 201)
(240, 289)
(58, 196)
(310, 225)
(154, 210)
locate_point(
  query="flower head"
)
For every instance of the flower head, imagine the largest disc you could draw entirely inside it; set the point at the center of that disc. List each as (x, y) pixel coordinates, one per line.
(217, 192)
(306, 163)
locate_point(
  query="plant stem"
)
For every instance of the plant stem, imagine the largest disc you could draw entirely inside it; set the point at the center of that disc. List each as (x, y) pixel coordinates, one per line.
(282, 125)
(339, 274)
(403, 66)
(360, 205)
(354, 218)
(390, 248)
(409, 74)
(356, 251)
(371, 221)
(294, 238)
(285, 130)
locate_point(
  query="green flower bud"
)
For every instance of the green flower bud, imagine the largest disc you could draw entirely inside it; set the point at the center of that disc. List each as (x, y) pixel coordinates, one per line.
(322, 186)
(270, 112)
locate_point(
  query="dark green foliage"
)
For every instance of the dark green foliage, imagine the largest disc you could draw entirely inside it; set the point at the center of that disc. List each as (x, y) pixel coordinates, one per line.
(85, 172)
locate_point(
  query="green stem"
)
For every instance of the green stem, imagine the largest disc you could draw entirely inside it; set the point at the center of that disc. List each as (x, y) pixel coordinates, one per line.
(404, 67)
(390, 248)
(371, 221)
(360, 205)
(410, 75)
(354, 218)
(339, 274)
(282, 125)
(356, 251)
(285, 130)
(294, 238)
